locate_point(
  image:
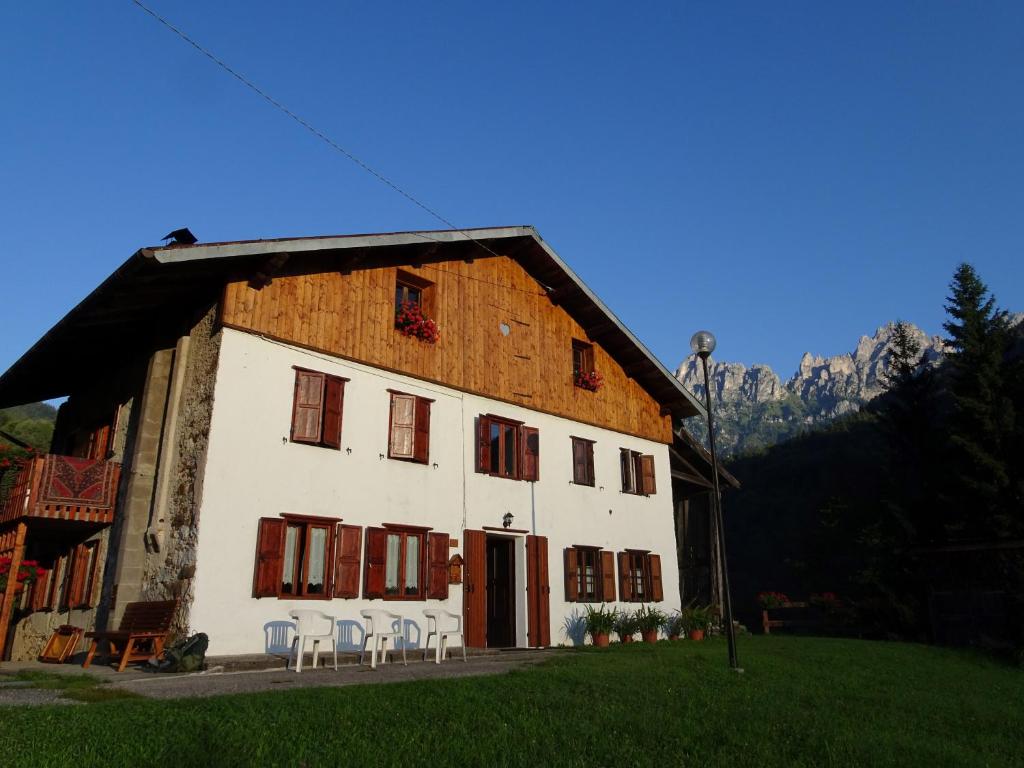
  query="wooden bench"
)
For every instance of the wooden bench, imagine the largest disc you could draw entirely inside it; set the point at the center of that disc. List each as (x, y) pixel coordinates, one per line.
(143, 631)
(799, 616)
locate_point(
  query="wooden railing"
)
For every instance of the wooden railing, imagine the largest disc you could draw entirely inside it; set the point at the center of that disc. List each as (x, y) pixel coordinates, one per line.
(63, 488)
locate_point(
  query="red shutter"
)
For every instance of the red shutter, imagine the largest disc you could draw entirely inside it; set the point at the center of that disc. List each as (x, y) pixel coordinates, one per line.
(572, 576)
(421, 443)
(269, 557)
(647, 485)
(308, 406)
(483, 445)
(608, 576)
(625, 584)
(402, 429)
(530, 438)
(538, 592)
(334, 398)
(657, 594)
(437, 575)
(348, 545)
(376, 555)
(474, 588)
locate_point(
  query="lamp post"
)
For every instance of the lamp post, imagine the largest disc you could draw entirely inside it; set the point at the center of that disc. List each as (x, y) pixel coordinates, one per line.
(703, 344)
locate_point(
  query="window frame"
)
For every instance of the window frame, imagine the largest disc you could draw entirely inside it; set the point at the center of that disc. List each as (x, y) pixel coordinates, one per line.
(594, 596)
(582, 359)
(406, 282)
(525, 449)
(420, 440)
(631, 471)
(639, 573)
(588, 474)
(404, 532)
(332, 388)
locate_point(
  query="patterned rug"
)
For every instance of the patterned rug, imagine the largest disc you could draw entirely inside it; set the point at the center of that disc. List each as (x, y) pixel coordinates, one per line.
(67, 480)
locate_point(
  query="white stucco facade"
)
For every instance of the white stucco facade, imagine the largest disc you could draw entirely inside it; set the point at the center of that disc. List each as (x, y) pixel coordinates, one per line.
(252, 470)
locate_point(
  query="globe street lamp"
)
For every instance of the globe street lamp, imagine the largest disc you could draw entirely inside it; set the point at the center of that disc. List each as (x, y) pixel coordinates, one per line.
(703, 344)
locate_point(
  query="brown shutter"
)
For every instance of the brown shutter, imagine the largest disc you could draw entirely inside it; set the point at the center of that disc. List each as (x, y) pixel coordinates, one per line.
(334, 398)
(348, 545)
(572, 576)
(376, 555)
(530, 438)
(608, 576)
(625, 585)
(92, 578)
(437, 575)
(79, 576)
(403, 418)
(474, 588)
(579, 461)
(654, 561)
(307, 407)
(590, 464)
(38, 602)
(269, 557)
(483, 445)
(421, 443)
(538, 592)
(647, 485)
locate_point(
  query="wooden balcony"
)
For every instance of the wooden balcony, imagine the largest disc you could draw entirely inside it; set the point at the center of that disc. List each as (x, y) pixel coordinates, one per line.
(63, 488)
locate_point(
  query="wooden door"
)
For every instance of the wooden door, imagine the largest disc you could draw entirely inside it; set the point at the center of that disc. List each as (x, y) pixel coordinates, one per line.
(538, 592)
(474, 588)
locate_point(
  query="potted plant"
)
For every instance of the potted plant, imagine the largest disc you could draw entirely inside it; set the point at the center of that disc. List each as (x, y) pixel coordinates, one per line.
(696, 620)
(674, 626)
(410, 321)
(600, 622)
(649, 620)
(625, 625)
(592, 381)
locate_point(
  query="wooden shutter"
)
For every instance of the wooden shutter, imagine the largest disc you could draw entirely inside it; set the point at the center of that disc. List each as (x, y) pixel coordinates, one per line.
(39, 590)
(92, 577)
(334, 398)
(579, 461)
(437, 574)
(530, 439)
(421, 442)
(348, 545)
(572, 576)
(76, 583)
(403, 418)
(625, 584)
(654, 563)
(538, 592)
(607, 576)
(308, 406)
(269, 557)
(376, 556)
(483, 445)
(474, 588)
(647, 485)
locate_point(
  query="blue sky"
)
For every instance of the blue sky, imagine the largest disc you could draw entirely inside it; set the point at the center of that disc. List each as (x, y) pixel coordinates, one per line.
(789, 175)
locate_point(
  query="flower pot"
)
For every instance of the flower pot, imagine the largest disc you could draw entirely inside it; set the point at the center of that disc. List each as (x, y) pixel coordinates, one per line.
(650, 635)
(627, 638)
(673, 637)
(696, 634)
(600, 639)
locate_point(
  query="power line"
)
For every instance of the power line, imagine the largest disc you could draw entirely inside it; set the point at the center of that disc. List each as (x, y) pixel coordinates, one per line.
(312, 129)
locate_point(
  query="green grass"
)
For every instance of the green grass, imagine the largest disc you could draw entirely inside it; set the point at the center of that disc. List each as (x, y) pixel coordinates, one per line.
(85, 688)
(802, 701)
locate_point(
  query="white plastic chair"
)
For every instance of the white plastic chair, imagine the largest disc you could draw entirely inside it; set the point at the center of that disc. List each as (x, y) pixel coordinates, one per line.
(377, 623)
(434, 617)
(309, 626)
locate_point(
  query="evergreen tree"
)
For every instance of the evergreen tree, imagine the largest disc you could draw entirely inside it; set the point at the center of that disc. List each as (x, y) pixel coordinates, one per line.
(982, 418)
(904, 357)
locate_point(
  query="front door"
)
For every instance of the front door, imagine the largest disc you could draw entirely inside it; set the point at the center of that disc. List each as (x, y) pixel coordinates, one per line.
(501, 600)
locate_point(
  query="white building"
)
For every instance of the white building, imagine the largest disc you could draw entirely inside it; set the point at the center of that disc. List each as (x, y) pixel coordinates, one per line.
(286, 442)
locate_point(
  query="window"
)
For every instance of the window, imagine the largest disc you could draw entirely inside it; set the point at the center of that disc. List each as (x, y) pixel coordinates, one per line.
(409, 427)
(640, 577)
(589, 575)
(316, 408)
(582, 359)
(301, 557)
(405, 563)
(414, 290)
(507, 448)
(582, 461)
(637, 472)
(82, 575)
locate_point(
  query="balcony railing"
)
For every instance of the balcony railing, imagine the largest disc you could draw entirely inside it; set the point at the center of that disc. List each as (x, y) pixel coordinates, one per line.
(63, 488)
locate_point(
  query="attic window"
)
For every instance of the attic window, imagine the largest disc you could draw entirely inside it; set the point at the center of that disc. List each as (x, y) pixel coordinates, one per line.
(413, 289)
(414, 307)
(582, 358)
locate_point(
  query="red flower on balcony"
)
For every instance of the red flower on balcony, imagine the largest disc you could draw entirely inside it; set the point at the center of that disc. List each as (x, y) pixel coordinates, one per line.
(410, 321)
(592, 381)
(28, 572)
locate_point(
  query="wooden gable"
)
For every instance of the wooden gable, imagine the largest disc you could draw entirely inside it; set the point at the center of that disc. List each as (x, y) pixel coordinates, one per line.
(501, 336)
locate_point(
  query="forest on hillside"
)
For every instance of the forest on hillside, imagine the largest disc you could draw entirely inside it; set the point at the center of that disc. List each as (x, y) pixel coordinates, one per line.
(911, 511)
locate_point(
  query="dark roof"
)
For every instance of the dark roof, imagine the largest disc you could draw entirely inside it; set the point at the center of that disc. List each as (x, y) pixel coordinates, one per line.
(691, 462)
(158, 288)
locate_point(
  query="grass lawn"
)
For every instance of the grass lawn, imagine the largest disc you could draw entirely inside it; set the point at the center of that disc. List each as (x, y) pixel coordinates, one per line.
(802, 701)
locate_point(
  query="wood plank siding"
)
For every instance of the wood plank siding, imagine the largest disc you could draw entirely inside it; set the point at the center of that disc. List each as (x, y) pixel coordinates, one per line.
(352, 316)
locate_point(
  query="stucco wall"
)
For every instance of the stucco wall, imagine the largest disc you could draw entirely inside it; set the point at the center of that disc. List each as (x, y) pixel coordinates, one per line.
(253, 471)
